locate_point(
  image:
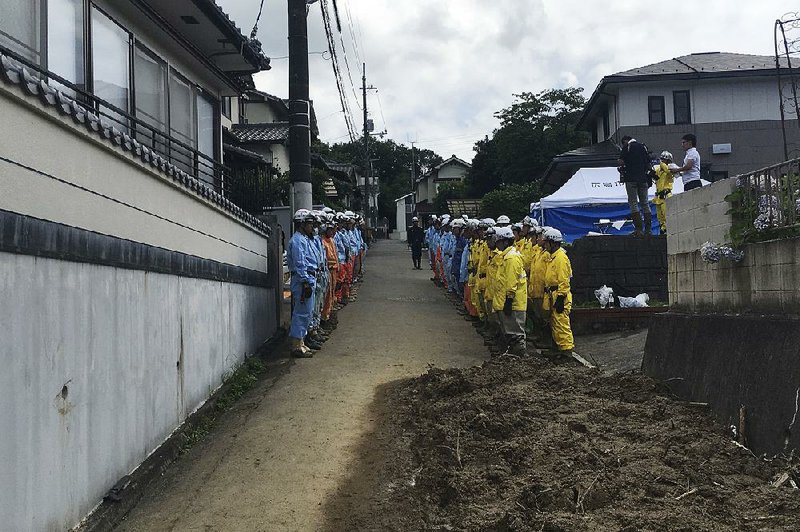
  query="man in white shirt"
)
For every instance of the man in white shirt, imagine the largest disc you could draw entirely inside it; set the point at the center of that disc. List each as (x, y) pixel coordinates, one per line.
(691, 163)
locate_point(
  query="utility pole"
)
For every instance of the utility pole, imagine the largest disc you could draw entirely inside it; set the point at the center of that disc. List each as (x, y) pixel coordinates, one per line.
(299, 107)
(367, 164)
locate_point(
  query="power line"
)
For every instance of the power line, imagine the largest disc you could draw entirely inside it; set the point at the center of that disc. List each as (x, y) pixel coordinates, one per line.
(255, 26)
(336, 71)
(380, 106)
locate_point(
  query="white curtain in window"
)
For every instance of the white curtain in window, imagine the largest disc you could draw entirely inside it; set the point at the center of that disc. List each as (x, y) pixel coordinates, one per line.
(19, 27)
(206, 121)
(65, 40)
(110, 61)
(151, 89)
(181, 109)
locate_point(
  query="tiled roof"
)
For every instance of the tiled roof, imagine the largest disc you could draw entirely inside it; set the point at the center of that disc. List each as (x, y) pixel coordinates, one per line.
(270, 132)
(710, 62)
(11, 73)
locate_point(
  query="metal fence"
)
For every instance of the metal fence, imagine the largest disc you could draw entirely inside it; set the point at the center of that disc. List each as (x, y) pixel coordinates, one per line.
(236, 186)
(770, 198)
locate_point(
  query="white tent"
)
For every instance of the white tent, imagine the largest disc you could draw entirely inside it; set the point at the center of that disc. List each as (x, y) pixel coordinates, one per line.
(591, 197)
(595, 186)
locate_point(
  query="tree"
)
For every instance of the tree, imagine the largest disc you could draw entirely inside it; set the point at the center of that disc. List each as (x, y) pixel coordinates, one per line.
(512, 200)
(533, 130)
(446, 192)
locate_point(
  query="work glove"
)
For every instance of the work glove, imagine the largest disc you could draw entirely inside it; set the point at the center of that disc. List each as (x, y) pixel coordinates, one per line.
(558, 306)
(507, 310)
(307, 291)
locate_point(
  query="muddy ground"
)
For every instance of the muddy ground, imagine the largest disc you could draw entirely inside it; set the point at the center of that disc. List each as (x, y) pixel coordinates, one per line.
(529, 444)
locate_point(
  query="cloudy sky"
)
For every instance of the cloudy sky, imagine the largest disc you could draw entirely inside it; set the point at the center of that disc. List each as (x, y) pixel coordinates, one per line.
(442, 68)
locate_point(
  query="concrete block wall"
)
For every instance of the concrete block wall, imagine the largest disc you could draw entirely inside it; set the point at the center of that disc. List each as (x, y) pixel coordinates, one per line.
(629, 265)
(698, 216)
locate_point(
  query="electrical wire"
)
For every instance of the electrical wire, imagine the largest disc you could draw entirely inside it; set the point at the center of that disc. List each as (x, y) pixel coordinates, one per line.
(337, 71)
(255, 26)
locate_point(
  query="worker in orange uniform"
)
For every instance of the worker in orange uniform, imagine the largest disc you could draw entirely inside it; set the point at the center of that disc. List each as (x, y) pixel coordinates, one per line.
(558, 295)
(332, 261)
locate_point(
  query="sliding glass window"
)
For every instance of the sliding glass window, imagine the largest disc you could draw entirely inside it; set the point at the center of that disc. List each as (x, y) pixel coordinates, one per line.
(65, 42)
(111, 65)
(20, 27)
(151, 85)
(182, 123)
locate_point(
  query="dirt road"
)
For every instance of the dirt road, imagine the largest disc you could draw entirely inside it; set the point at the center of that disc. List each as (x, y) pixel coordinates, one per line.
(290, 445)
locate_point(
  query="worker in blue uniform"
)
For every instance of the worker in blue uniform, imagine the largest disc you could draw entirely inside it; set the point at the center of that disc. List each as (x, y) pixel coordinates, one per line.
(302, 263)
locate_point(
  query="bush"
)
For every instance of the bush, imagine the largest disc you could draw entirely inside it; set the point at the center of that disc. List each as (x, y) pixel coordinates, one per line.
(512, 200)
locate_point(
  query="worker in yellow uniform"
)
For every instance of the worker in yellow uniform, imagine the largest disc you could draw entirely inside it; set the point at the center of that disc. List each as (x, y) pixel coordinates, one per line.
(558, 297)
(539, 318)
(493, 265)
(664, 187)
(510, 297)
(482, 271)
(477, 248)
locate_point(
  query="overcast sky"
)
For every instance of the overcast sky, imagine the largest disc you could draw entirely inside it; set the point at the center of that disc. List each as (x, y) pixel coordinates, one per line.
(442, 68)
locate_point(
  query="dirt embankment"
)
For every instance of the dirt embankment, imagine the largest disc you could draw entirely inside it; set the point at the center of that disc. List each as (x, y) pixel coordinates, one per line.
(531, 445)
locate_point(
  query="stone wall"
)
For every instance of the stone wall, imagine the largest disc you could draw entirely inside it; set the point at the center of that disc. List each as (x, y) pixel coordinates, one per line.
(627, 264)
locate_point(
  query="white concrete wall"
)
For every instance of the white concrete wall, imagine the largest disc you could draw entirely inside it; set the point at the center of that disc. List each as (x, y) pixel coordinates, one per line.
(400, 218)
(260, 113)
(732, 100)
(160, 213)
(135, 352)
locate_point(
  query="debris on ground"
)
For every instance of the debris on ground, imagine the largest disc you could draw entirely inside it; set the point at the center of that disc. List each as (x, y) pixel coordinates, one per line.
(525, 444)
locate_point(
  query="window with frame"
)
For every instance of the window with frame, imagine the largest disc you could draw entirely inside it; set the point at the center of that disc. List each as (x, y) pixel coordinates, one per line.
(65, 42)
(682, 107)
(21, 28)
(111, 49)
(656, 111)
(151, 86)
(225, 105)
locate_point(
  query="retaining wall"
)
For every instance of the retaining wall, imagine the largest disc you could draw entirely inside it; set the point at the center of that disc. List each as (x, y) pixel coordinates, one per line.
(629, 265)
(729, 362)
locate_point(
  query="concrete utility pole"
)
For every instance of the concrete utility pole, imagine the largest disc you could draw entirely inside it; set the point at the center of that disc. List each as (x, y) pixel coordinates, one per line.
(299, 107)
(367, 164)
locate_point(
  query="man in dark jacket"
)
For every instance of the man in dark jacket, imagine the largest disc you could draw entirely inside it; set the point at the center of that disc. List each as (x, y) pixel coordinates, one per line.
(416, 237)
(634, 167)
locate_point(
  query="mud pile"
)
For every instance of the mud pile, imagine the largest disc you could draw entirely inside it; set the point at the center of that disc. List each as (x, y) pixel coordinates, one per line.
(525, 444)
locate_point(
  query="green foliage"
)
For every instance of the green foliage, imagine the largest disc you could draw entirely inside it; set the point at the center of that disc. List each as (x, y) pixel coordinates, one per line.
(744, 211)
(234, 387)
(448, 191)
(533, 130)
(512, 200)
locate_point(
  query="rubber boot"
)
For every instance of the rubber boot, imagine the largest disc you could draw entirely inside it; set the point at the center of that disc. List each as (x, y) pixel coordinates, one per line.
(637, 223)
(648, 222)
(299, 350)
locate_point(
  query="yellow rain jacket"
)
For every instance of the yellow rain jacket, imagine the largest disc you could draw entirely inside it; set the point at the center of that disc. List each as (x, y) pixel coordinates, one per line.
(663, 183)
(539, 258)
(483, 266)
(495, 259)
(472, 261)
(557, 279)
(511, 281)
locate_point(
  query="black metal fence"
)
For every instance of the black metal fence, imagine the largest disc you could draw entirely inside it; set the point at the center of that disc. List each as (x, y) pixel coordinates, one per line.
(769, 198)
(241, 188)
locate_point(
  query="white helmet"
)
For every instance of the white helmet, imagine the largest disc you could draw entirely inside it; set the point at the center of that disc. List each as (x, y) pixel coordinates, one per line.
(503, 220)
(527, 221)
(434, 217)
(301, 215)
(667, 156)
(350, 214)
(517, 226)
(458, 222)
(554, 235)
(504, 232)
(327, 210)
(464, 217)
(490, 222)
(414, 219)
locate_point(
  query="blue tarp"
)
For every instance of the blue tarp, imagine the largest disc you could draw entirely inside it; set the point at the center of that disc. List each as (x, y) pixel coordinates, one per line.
(576, 222)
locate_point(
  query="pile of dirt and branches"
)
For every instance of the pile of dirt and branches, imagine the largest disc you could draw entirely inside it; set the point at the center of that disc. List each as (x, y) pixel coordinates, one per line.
(526, 444)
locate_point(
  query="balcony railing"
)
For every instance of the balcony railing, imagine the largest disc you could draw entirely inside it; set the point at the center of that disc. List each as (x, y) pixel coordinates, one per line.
(766, 203)
(183, 156)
